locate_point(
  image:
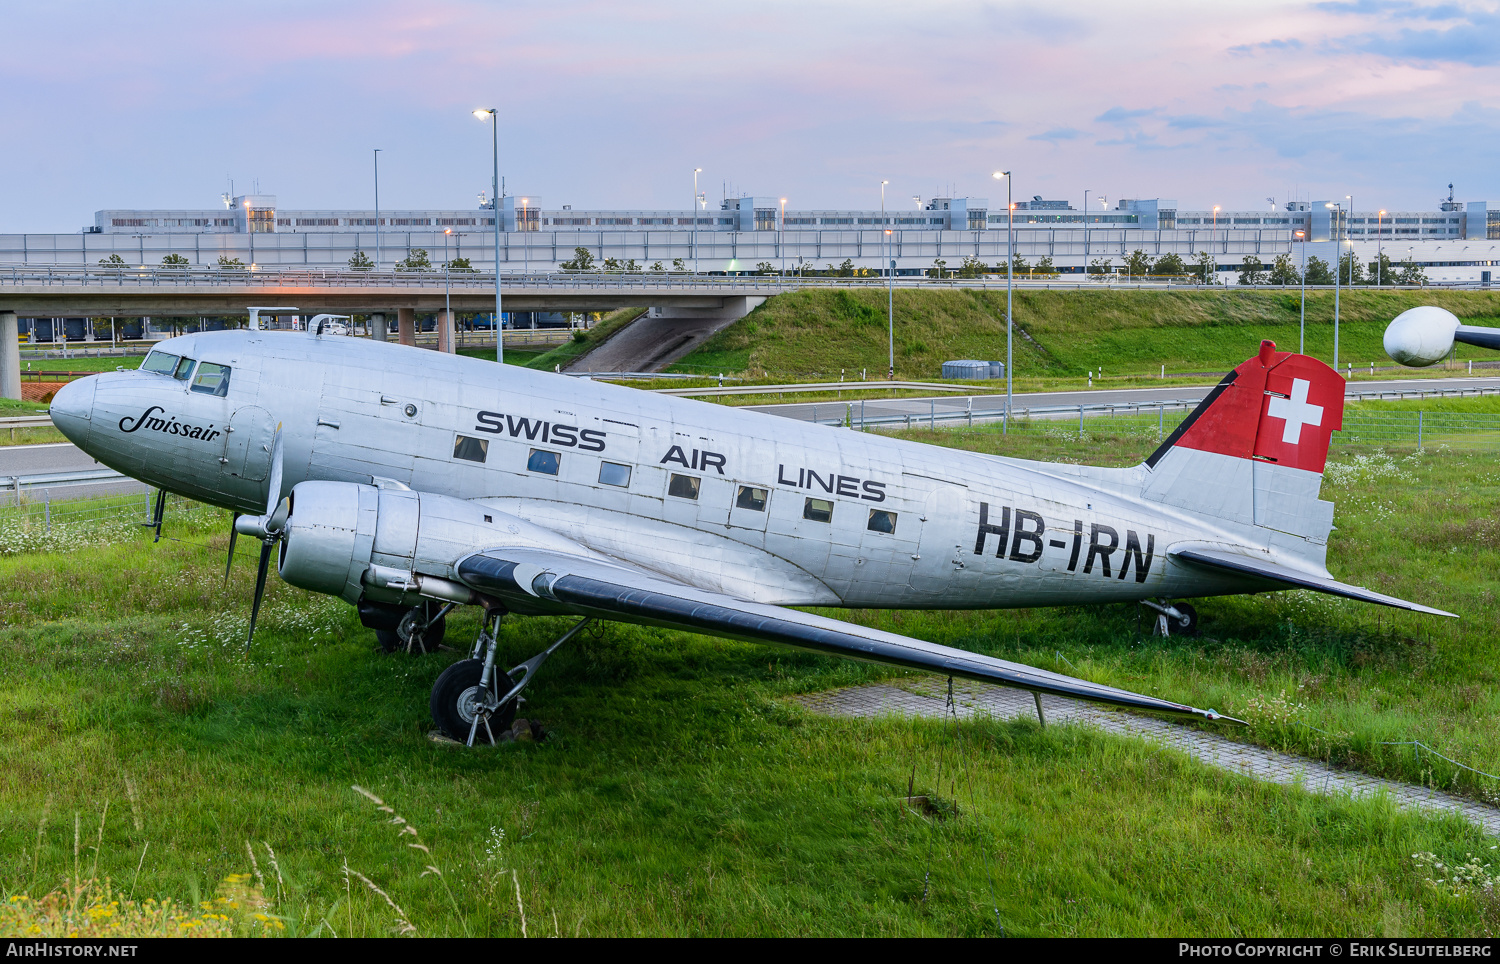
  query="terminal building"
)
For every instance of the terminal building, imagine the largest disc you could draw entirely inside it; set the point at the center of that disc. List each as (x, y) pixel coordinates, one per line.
(1460, 242)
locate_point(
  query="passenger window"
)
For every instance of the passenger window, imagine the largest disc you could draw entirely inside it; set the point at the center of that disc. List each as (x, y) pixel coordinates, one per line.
(683, 487)
(612, 473)
(469, 449)
(543, 462)
(184, 369)
(212, 379)
(818, 510)
(751, 498)
(160, 362)
(882, 521)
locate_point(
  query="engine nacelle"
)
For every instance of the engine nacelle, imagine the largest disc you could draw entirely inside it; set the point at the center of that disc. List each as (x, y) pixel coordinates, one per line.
(1421, 336)
(392, 545)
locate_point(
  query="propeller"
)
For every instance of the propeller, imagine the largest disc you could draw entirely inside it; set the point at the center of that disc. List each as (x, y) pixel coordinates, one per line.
(267, 528)
(233, 534)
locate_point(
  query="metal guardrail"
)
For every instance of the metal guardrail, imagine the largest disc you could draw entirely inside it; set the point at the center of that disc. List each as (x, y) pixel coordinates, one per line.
(193, 276)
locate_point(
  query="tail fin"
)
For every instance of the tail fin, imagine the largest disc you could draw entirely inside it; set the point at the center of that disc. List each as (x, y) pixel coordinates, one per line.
(1253, 451)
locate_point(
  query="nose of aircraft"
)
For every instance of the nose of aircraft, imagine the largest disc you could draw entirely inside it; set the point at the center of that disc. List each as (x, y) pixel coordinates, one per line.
(72, 408)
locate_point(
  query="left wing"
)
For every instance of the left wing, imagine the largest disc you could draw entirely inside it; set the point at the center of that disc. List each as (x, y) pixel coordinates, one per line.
(541, 579)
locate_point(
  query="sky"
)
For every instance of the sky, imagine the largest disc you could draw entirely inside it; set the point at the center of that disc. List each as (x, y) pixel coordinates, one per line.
(610, 105)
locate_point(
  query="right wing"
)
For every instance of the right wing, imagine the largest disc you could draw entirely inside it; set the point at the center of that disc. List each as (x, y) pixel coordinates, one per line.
(588, 587)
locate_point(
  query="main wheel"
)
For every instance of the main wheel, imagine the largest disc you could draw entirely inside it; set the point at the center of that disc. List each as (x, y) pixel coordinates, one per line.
(1188, 625)
(407, 639)
(456, 697)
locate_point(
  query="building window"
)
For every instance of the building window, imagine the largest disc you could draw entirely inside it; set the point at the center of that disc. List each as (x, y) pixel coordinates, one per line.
(882, 521)
(212, 379)
(751, 498)
(543, 462)
(612, 473)
(818, 510)
(473, 449)
(683, 487)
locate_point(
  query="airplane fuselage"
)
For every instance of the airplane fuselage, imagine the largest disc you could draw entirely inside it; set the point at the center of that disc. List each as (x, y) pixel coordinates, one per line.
(756, 506)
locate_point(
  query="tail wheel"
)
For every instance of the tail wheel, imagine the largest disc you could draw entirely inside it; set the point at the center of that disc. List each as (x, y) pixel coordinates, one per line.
(1188, 624)
(408, 638)
(456, 699)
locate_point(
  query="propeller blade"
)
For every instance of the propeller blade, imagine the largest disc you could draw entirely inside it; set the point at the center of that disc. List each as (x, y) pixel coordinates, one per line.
(260, 586)
(233, 534)
(273, 487)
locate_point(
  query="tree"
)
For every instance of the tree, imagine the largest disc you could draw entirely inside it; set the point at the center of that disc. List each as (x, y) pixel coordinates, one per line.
(939, 269)
(631, 267)
(1252, 272)
(227, 263)
(1101, 266)
(1045, 267)
(611, 264)
(174, 261)
(1283, 272)
(112, 259)
(583, 260)
(461, 265)
(1018, 265)
(1381, 271)
(1206, 267)
(1318, 272)
(1138, 264)
(656, 266)
(360, 262)
(1411, 274)
(972, 267)
(1169, 265)
(677, 264)
(415, 260)
(1351, 272)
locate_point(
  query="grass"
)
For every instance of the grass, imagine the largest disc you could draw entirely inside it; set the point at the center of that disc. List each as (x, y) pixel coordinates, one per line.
(565, 354)
(679, 792)
(1062, 334)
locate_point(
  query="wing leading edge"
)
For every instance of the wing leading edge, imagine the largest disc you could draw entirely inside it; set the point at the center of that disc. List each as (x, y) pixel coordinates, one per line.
(590, 588)
(1242, 565)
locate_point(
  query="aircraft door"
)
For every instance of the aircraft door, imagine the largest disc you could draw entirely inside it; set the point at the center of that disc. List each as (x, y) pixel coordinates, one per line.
(247, 444)
(940, 545)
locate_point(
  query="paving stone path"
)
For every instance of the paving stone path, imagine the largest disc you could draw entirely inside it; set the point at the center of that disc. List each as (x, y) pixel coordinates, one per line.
(1214, 750)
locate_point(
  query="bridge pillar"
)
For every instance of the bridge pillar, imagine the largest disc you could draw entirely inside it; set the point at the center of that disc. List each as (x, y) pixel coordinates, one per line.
(445, 332)
(379, 329)
(406, 326)
(10, 356)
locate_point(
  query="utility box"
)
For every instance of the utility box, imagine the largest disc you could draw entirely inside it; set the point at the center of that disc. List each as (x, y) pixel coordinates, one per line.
(969, 368)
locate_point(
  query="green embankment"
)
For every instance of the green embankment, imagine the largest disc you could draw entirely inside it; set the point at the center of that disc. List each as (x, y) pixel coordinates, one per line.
(582, 343)
(1063, 333)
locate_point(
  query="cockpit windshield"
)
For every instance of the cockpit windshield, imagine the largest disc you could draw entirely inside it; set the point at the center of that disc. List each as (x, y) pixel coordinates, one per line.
(160, 362)
(184, 369)
(212, 379)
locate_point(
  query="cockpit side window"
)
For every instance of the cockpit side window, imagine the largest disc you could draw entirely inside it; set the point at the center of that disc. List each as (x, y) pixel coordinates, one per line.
(184, 368)
(160, 362)
(212, 379)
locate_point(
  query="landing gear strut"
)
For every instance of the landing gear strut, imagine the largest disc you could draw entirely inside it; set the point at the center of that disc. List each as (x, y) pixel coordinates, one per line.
(420, 630)
(473, 700)
(1179, 618)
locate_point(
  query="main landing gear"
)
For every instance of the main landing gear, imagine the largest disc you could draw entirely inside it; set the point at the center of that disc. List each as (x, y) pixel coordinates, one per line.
(418, 629)
(473, 700)
(1179, 618)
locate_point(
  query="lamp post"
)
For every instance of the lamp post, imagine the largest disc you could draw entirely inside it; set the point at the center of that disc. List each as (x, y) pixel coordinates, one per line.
(1302, 321)
(1379, 246)
(1337, 273)
(1010, 270)
(1213, 238)
(494, 118)
(890, 305)
(781, 236)
(447, 296)
(1350, 199)
(694, 209)
(377, 209)
(1085, 233)
(526, 249)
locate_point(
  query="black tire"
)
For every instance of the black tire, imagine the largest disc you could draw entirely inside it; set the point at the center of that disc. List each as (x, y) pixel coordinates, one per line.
(405, 639)
(1190, 628)
(454, 695)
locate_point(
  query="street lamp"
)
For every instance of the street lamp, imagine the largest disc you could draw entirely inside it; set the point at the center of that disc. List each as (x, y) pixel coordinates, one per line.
(1337, 273)
(447, 297)
(1010, 270)
(1213, 236)
(1379, 245)
(781, 239)
(377, 209)
(526, 249)
(694, 210)
(1085, 232)
(1302, 323)
(1350, 199)
(889, 266)
(494, 119)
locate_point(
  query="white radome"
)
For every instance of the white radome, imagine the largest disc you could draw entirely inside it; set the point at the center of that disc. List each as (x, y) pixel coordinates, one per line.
(1421, 336)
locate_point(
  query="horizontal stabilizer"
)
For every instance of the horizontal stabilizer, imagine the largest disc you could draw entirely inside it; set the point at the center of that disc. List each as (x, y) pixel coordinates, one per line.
(1265, 569)
(590, 588)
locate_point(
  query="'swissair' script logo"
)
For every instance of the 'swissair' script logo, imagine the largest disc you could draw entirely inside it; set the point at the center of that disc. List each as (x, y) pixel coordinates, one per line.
(152, 422)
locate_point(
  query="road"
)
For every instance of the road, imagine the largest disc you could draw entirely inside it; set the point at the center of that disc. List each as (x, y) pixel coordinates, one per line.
(995, 404)
(60, 457)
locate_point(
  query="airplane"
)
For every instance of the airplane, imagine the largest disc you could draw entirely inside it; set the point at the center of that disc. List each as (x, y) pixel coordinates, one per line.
(408, 482)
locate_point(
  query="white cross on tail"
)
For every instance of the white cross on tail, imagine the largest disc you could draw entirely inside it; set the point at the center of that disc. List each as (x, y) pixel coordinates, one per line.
(1296, 410)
